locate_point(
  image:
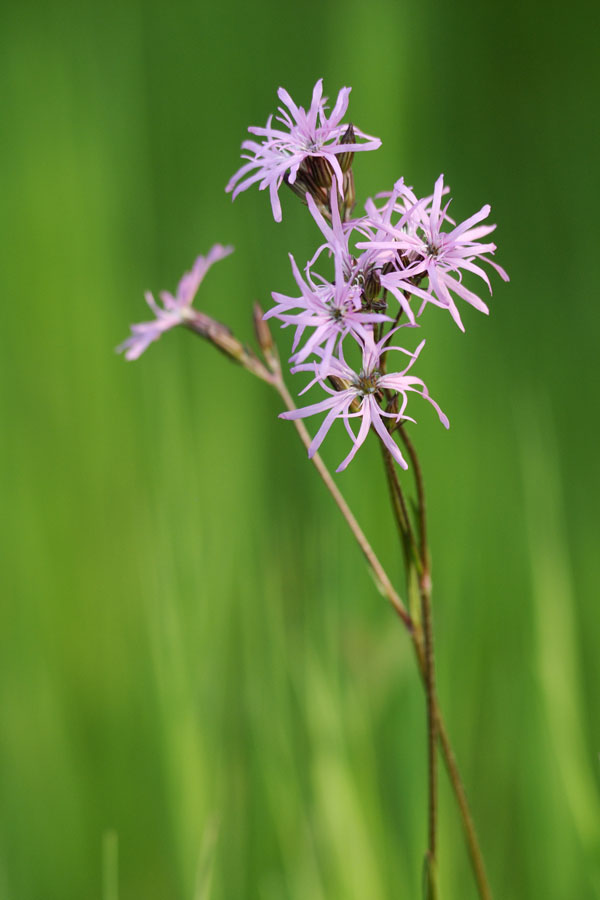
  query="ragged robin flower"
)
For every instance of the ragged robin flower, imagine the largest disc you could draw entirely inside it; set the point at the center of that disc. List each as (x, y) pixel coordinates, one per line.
(423, 250)
(333, 310)
(175, 310)
(303, 136)
(364, 389)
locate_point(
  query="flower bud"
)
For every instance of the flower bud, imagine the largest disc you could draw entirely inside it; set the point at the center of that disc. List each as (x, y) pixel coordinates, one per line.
(262, 330)
(224, 340)
(320, 171)
(349, 192)
(372, 285)
(217, 333)
(306, 183)
(338, 383)
(303, 185)
(346, 159)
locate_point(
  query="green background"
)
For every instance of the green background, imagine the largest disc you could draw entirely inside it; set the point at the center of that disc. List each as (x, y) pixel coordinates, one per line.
(202, 695)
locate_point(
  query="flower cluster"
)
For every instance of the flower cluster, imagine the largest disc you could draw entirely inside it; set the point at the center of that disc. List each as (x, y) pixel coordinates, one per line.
(403, 252)
(350, 306)
(388, 265)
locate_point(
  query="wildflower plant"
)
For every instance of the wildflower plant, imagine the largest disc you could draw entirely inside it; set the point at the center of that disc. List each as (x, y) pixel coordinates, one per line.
(361, 298)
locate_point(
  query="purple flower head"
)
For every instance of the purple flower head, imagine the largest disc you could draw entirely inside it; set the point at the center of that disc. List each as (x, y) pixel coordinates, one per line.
(362, 391)
(361, 271)
(366, 268)
(419, 249)
(307, 135)
(333, 310)
(175, 309)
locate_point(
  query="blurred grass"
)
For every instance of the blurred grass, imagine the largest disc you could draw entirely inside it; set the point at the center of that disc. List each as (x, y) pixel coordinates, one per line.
(193, 659)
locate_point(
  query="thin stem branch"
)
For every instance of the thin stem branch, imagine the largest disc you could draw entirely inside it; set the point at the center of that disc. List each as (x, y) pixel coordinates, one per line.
(424, 649)
(401, 512)
(420, 485)
(437, 731)
(432, 725)
(398, 504)
(465, 812)
(419, 562)
(470, 833)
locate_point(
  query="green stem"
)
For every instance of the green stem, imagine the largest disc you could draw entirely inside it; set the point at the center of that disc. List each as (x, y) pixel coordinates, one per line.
(398, 504)
(432, 731)
(470, 833)
(401, 513)
(418, 563)
(420, 485)
(420, 643)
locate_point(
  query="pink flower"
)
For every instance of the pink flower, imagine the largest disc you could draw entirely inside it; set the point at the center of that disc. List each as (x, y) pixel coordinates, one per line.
(333, 310)
(419, 249)
(365, 389)
(364, 269)
(308, 135)
(175, 310)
